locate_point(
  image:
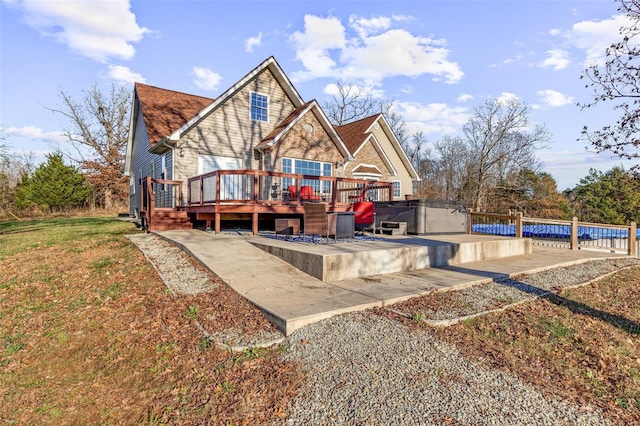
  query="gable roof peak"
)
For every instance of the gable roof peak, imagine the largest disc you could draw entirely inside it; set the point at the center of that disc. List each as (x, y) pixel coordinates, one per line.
(272, 65)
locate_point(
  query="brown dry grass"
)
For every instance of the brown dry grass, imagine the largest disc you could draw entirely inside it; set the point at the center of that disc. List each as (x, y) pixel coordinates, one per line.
(581, 345)
(89, 334)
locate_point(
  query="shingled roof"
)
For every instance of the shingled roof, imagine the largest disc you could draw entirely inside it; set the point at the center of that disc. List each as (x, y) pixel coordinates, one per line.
(165, 111)
(354, 134)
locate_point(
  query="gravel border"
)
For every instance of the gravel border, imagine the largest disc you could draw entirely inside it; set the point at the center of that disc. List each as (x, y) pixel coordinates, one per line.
(466, 303)
(177, 271)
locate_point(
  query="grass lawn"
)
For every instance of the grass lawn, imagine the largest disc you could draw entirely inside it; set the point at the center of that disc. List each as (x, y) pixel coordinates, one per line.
(89, 335)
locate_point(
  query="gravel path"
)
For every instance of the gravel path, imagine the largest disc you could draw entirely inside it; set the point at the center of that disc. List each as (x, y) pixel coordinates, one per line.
(366, 369)
(471, 301)
(174, 267)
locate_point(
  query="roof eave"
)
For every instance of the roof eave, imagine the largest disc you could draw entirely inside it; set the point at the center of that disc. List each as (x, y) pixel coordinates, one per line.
(132, 129)
(403, 155)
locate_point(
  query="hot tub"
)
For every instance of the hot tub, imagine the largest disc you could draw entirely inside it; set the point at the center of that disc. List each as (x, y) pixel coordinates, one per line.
(424, 216)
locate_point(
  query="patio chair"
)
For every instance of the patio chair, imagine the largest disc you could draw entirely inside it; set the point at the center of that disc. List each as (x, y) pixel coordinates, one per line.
(316, 221)
(307, 194)
(365, 215)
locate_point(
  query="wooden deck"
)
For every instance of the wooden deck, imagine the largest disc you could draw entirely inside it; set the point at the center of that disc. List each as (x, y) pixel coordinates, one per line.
(247, 194)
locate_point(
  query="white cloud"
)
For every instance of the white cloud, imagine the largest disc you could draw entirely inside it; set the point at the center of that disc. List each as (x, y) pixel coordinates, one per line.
(327, 49)
(332, 89)
(365, 27)
(507, 61)
(593, 37)
(432, 118)
(252, 42)
(557, 59)
(99, 30)
(567, 167)
(464, 97)
(506, 97)
(554, 98)
(404, 54)
(124, 75)
(206, 79)
(313, 45)
(32, 133)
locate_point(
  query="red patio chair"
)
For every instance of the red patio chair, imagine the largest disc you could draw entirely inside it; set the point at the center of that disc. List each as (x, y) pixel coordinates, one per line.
(365, 215)
(307, 194)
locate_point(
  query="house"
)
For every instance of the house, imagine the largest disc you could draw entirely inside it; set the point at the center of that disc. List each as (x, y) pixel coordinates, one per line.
(259, 143)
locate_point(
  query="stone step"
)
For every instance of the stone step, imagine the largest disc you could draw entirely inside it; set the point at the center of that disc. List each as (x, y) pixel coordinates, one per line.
(393, 228)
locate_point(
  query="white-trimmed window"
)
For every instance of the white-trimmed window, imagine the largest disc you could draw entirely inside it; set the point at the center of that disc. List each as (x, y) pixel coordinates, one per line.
(308, 167)
(396, 189)
(259, 107)
(211, 163)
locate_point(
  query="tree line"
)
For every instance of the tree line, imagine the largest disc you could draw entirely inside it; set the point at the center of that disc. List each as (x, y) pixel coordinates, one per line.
(87, 173)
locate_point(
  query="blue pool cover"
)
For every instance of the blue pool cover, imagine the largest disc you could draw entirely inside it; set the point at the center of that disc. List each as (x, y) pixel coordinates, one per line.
(552, 231)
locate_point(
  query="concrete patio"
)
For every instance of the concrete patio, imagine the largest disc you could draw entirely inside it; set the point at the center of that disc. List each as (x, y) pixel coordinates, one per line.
(351, 276)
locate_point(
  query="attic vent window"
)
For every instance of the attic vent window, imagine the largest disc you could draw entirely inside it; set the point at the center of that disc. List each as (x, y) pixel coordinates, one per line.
(376, 126)
(259, 107)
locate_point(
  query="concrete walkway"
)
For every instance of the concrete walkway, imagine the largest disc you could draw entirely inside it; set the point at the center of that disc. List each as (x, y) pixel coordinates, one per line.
(292, 299)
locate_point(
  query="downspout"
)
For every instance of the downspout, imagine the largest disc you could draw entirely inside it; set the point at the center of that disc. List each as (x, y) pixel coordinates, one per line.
(163, 142)
(259, 149)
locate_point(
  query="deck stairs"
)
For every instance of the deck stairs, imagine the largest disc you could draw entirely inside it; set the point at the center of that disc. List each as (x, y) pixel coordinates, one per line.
(392, 228)
(164, 220)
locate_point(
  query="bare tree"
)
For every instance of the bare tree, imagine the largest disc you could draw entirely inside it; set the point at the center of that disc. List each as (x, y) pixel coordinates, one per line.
(98, 130)
(351, 103)
(500, 138)
(618, 80)
(454, 158)
(4, 147)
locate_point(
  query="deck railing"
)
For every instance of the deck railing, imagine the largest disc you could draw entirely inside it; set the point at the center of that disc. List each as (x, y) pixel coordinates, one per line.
(571, 234)
(158, 194)
(257, 186)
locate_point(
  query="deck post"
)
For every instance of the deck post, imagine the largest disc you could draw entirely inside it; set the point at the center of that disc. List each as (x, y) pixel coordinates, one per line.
(254, 223)
(518, 224)
(201, 190)
(633, 229)
(217, 222)
(574, 233)
(469, 221)
(255, 187)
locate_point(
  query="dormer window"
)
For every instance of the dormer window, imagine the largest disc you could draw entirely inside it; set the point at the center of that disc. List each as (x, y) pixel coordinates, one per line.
(259, 107)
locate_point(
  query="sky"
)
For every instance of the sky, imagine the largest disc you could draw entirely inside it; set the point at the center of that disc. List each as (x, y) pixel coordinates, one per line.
(437, 60)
